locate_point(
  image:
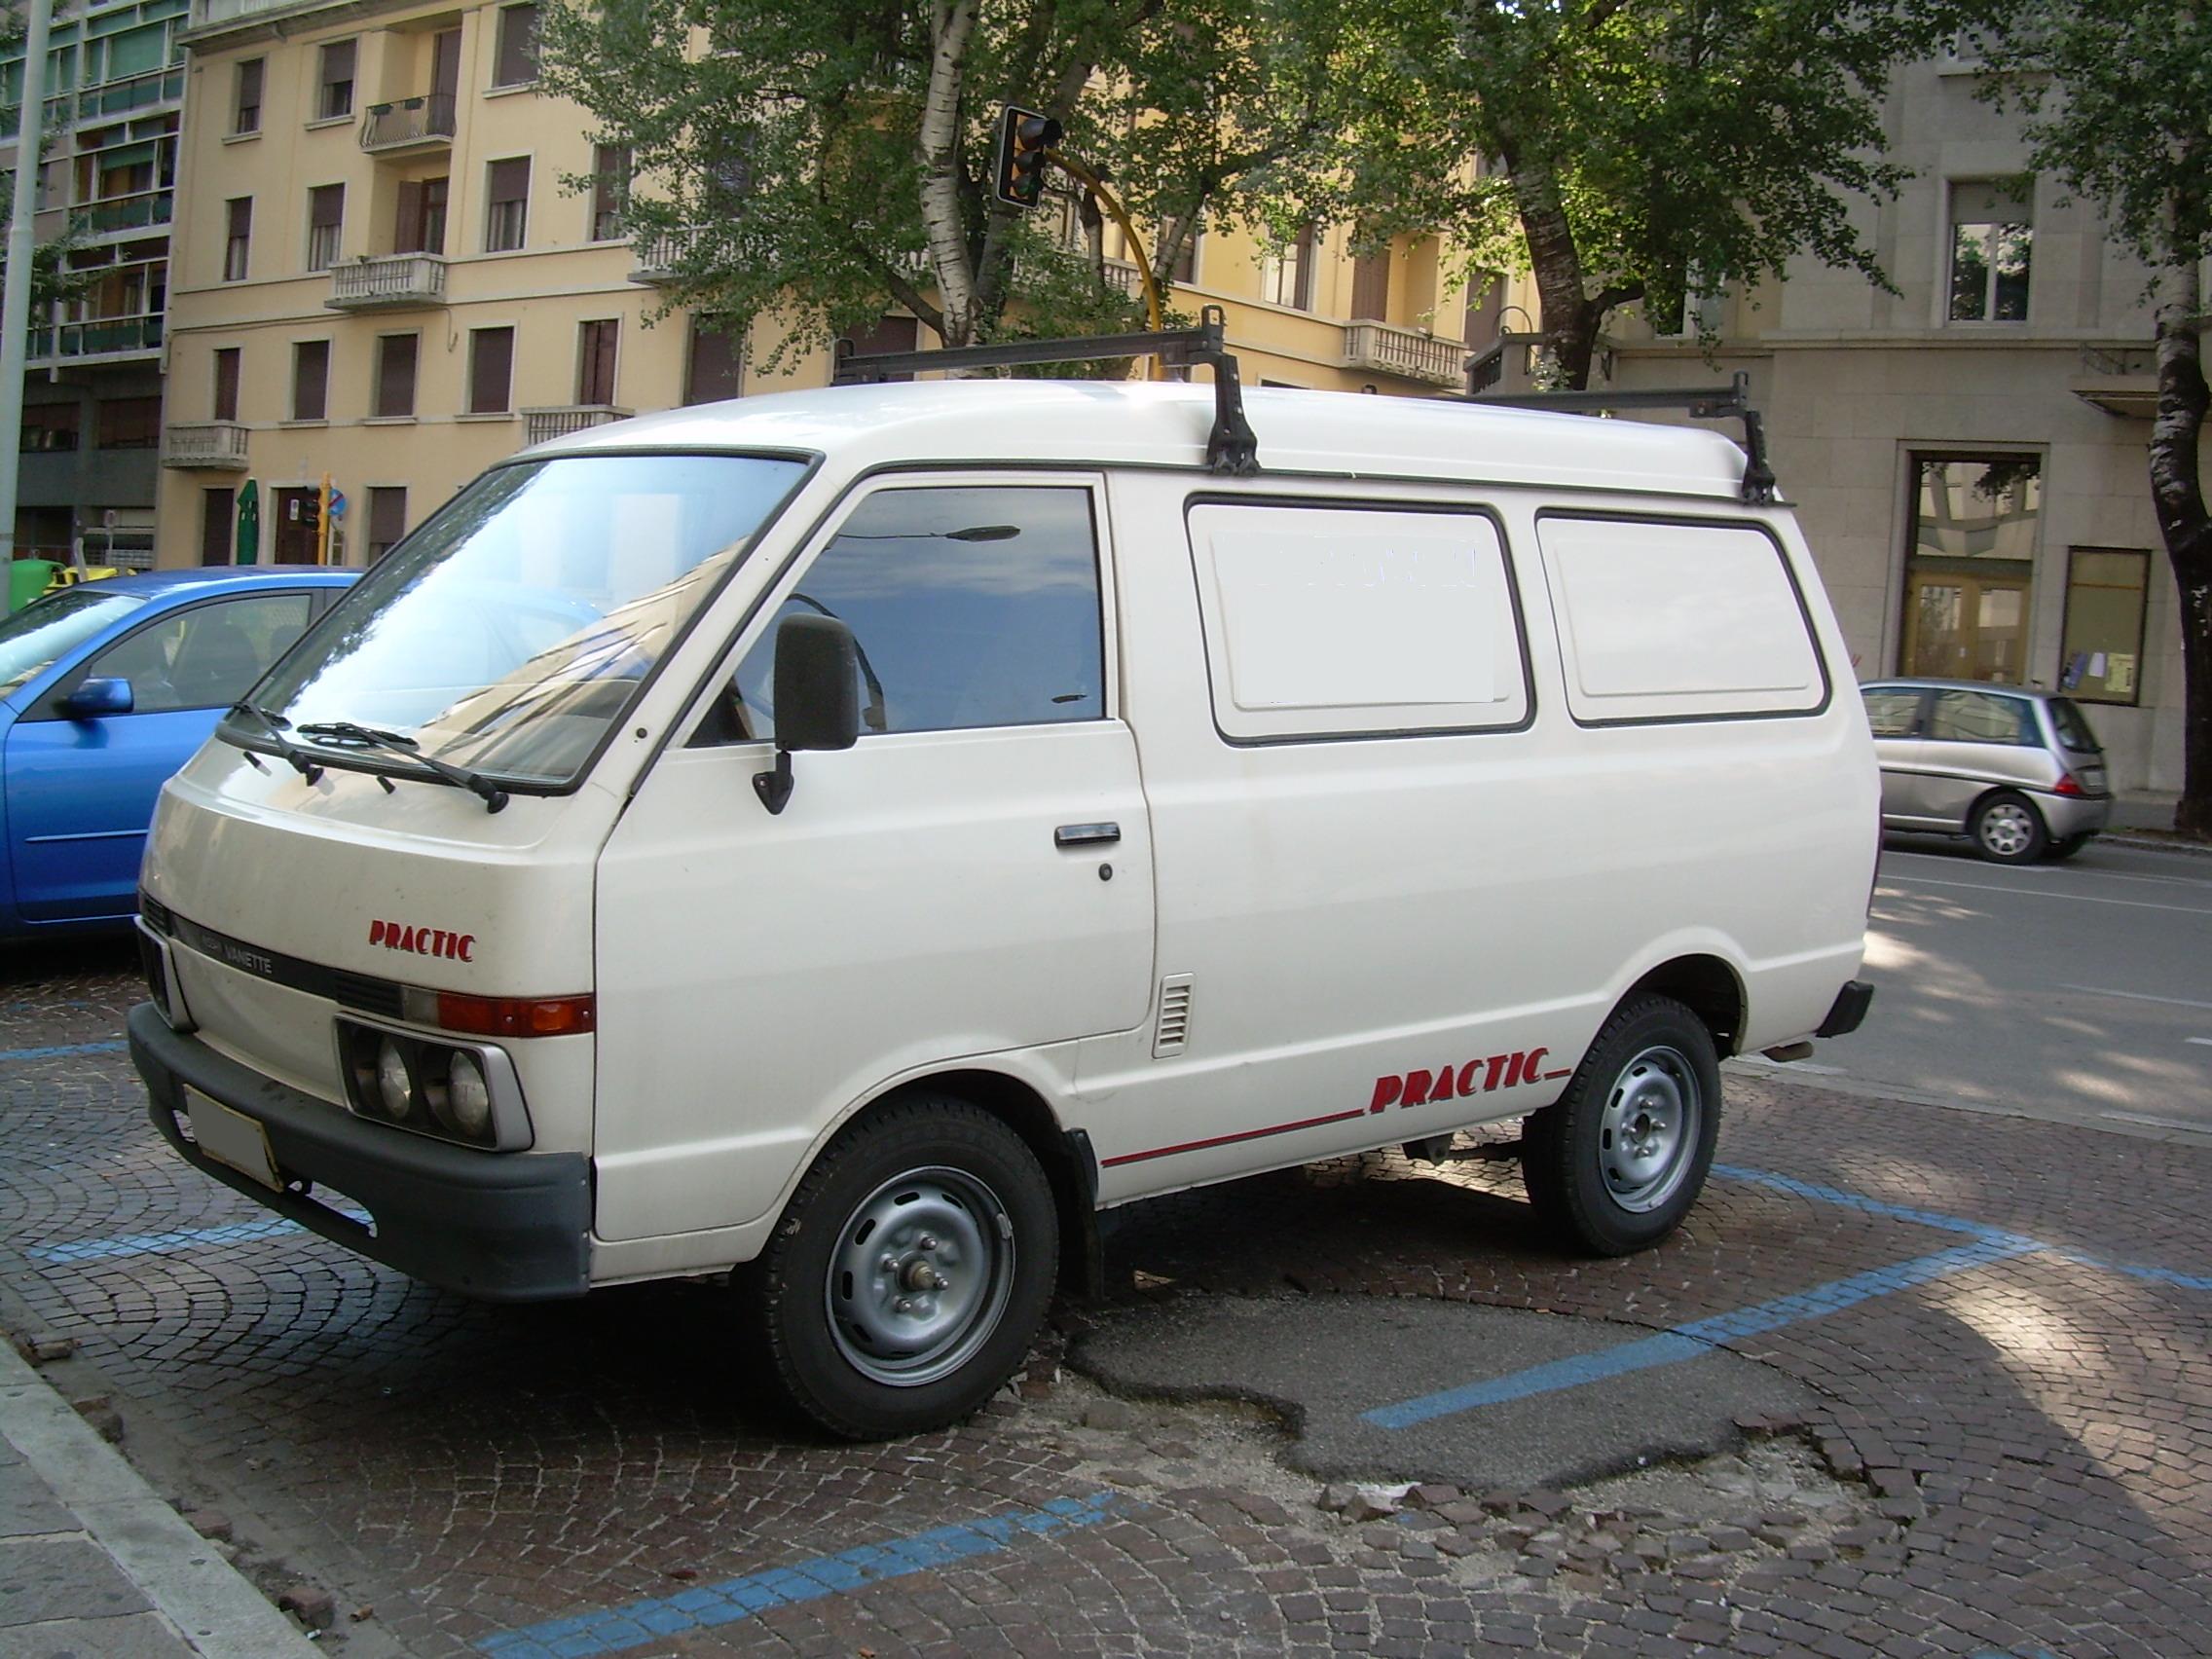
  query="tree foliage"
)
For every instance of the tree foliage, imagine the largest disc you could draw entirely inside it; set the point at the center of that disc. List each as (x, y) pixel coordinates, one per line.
(1624, 150)
(820, 161)
(2118, 100)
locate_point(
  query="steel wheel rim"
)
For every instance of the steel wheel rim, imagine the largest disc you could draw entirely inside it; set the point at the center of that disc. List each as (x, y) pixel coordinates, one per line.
(920, 1276)
(2006, 829)
(1649, 1131)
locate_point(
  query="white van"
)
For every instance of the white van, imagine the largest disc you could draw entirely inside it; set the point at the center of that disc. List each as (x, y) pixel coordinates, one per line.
(855, 836)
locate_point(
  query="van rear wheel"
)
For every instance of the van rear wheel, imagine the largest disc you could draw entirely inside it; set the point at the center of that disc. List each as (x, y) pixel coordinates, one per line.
(905, 1281)
(1616, 1163)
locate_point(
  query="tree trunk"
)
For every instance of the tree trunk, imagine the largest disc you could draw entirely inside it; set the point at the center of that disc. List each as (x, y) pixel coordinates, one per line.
(1569, 323)
(2177, 489)
(952, 27)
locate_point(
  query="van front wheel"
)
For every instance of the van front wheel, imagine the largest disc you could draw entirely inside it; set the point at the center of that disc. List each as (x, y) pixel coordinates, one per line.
(1615, 1163)
(905, 1281)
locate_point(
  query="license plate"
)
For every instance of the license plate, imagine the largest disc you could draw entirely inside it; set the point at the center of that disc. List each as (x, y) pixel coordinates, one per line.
(232, 1138)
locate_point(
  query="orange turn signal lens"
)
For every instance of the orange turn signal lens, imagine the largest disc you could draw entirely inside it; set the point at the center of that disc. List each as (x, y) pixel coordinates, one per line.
(515, 1016)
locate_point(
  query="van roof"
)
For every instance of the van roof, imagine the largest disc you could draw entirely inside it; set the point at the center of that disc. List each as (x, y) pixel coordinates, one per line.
(1136, 424)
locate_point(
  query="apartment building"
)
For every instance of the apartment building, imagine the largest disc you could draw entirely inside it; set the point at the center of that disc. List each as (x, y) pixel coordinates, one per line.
(384, 273)
(1968, 454)
(93, 385)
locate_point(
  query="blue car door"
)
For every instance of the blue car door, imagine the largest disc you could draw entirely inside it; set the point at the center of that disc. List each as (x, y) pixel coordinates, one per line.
(81, 793)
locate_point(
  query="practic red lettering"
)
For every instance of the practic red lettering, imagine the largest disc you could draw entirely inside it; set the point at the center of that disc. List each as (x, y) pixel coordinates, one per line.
(1515, 1072)
(1497, 1069)
(1466, 1082)
(1416, 1088)
(1536, 1066)
(1387, 1089)
(466, 944)
(376, 932)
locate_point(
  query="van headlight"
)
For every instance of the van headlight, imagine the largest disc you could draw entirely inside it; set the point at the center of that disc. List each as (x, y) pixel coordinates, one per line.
(468, 1097)
(469, 1094)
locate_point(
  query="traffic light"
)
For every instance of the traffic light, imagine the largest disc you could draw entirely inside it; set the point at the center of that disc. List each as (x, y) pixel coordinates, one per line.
(1024, 136)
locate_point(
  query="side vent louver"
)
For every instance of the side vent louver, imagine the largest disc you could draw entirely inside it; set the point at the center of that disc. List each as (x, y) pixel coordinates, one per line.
(1174, 1015)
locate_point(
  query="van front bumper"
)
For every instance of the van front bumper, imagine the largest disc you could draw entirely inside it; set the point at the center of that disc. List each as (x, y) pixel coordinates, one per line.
(500, 1226)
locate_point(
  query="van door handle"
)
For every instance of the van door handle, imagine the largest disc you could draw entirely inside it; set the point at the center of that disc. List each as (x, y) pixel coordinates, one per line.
(1085, 834)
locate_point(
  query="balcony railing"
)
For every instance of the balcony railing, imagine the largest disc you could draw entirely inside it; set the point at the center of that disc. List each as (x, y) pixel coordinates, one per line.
(97, 337)
(209, 446)
(127, 212)
(409, 122)
(209, 11)
(108, 97)
(1403, 351)
(1121, 274)
(390, 280)
(654, 258)
(539, 425)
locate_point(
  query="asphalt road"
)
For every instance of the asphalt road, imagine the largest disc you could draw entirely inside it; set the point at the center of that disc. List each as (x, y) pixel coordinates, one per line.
(2076, 992)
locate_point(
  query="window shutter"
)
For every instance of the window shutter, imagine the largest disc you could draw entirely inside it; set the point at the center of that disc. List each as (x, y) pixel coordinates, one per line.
(326, 205)
(311, 380)
(395, 375)
(490, 370)
(226, 383)
(1985, 203)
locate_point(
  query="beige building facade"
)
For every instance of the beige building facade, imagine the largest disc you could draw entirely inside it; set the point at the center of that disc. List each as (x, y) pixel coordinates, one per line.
(384, 271)
(1968, 455)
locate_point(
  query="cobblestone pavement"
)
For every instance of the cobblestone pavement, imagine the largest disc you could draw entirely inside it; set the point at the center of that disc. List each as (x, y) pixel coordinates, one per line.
(2014, 1456)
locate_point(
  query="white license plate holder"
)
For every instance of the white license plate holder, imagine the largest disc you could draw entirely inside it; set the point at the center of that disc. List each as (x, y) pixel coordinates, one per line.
(232, 1138)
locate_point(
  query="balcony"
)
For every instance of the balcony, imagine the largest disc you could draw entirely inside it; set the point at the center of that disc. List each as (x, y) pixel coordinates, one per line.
(653, 258)
(147, 208)
(392, 281)
(542, 426)
(409, 125)
(100, 337)
(210, 446)
(148, 91)
(1406, 353)
(2119, 379)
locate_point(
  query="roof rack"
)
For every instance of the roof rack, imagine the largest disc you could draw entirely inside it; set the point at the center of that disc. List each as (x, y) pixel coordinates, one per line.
(1230, 448)
(1700, 402)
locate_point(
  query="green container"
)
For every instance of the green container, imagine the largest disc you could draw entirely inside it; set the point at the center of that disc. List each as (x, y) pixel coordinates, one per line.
(27, 578)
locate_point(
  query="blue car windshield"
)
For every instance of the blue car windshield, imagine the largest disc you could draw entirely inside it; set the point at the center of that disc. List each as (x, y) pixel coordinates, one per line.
(41, 635)
(517, 626)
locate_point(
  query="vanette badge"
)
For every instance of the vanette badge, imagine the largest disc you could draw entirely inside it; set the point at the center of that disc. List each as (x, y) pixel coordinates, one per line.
(424, 941)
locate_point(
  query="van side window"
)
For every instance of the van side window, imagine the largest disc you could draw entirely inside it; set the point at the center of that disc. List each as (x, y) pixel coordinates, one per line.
(972, 607)
(1981, 717)
(1678, 620)
(1324, 619)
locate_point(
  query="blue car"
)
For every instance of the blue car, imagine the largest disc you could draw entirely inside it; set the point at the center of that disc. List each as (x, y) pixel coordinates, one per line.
(105, 689)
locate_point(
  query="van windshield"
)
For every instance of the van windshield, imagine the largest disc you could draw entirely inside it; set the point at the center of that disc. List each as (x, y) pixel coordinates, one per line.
(521, 620)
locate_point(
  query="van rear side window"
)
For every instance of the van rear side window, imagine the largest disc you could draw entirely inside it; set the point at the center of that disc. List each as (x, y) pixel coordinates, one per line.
(1325, 620)
(1670, 620)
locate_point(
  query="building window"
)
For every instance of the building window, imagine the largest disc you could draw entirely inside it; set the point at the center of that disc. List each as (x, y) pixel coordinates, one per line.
(514, 62)
(388, 518)
(129, 422)
(311, 380)
(595, 361)
(49, 428)
(421, 225)
(2101, 658)
(216, 544)
(335, 98)
(1371, 286)
(609, 190)
(226, 383)
(246, 106)
(237, 245)
(1992, 234)
(326, 216)
(715, 369)
(1287, 277)
(490, 370)
(1699, 316)
(506, 211)
(395, 375)
(1970, 572)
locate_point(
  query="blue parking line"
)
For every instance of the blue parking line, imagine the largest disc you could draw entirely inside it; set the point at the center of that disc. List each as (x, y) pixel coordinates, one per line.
(114, 1046)
(1698, 1337)
(159, 1244)
(584, 1635)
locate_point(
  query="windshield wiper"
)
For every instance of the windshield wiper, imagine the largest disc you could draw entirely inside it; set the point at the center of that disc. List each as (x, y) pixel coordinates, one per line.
(346, 734)
(273, 726)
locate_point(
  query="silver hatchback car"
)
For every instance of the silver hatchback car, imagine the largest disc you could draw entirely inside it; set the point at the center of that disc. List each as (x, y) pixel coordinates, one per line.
(2017, 771)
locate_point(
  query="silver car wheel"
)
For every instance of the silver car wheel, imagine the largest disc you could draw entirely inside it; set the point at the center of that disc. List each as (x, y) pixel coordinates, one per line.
(2008, 830)
(1648, 1128)
(920, 1278)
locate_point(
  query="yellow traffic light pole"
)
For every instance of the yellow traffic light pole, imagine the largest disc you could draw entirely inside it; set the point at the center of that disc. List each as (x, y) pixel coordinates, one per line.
(1092, 182)
(322, 523)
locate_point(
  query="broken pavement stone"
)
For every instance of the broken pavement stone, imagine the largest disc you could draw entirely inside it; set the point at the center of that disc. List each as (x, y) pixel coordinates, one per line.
(210, 1524)
(309, 1603)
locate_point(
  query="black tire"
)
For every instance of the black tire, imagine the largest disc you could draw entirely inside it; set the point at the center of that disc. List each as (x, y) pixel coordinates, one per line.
(1651, 1069)
(2069, 846)
(2006, 829)
(859, 1337)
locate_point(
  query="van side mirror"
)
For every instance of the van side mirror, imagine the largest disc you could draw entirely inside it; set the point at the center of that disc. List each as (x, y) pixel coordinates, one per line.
(817, 697)
(95, 698)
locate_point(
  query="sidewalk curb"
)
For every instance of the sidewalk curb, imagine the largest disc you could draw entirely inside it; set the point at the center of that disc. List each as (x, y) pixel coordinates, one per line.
(221, 1615)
